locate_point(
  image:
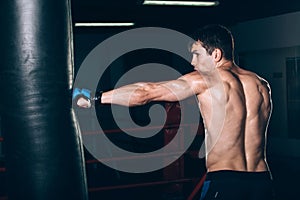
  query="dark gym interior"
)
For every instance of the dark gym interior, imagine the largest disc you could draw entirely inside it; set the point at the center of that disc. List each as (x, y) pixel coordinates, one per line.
(267, 36)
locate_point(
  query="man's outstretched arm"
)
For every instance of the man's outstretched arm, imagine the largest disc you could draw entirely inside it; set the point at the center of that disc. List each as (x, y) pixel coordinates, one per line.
(145, 92)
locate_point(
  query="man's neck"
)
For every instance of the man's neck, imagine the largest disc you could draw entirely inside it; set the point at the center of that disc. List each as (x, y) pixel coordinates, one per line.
(225, 64)
(212, 78)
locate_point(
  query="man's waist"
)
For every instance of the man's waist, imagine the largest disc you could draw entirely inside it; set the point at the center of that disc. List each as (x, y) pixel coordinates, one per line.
(238, 175)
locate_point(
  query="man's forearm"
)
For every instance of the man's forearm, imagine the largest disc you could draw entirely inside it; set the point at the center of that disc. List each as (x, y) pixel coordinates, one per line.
(129, 95)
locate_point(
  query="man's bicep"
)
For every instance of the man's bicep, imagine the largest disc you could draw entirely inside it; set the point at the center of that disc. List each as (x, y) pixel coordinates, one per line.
(174, 90)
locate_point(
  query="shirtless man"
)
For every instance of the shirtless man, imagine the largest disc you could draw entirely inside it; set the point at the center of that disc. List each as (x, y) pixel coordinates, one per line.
(236, 107)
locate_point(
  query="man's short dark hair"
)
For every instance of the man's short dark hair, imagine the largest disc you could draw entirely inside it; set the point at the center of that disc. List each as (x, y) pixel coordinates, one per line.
(216, 36)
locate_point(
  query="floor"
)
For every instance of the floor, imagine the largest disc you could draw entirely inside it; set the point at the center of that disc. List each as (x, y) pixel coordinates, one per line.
(285, 170)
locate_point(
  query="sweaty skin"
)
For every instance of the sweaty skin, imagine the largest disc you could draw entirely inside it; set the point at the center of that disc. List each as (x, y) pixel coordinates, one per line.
(234, 103)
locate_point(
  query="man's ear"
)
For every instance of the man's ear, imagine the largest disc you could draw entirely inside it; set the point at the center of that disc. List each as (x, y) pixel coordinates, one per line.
(217, 55)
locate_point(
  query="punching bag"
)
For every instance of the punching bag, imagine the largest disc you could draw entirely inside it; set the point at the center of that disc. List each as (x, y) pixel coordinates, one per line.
(43, 149)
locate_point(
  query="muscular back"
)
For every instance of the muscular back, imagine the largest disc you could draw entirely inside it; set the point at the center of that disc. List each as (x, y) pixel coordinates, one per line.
(259, 106)
(236, 112)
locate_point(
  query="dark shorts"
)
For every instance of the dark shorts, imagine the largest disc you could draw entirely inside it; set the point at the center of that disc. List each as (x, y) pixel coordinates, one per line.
(238, 185)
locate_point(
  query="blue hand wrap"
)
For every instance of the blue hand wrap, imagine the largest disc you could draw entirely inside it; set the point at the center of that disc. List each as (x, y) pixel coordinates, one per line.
(78, 93)
(86, 94)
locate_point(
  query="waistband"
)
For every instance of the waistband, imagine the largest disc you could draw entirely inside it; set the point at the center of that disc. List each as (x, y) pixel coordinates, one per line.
(238, 175)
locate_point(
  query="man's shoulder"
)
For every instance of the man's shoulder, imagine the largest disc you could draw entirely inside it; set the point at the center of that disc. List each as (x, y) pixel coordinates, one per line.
(194, 75)
(195, 80)
(251, 78)
(248, 75)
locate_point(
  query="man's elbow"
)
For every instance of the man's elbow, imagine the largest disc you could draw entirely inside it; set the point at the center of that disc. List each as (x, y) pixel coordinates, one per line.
(143, 94)
(140, 97)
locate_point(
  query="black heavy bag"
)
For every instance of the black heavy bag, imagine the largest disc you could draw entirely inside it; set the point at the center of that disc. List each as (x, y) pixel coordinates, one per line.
(43, 149)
